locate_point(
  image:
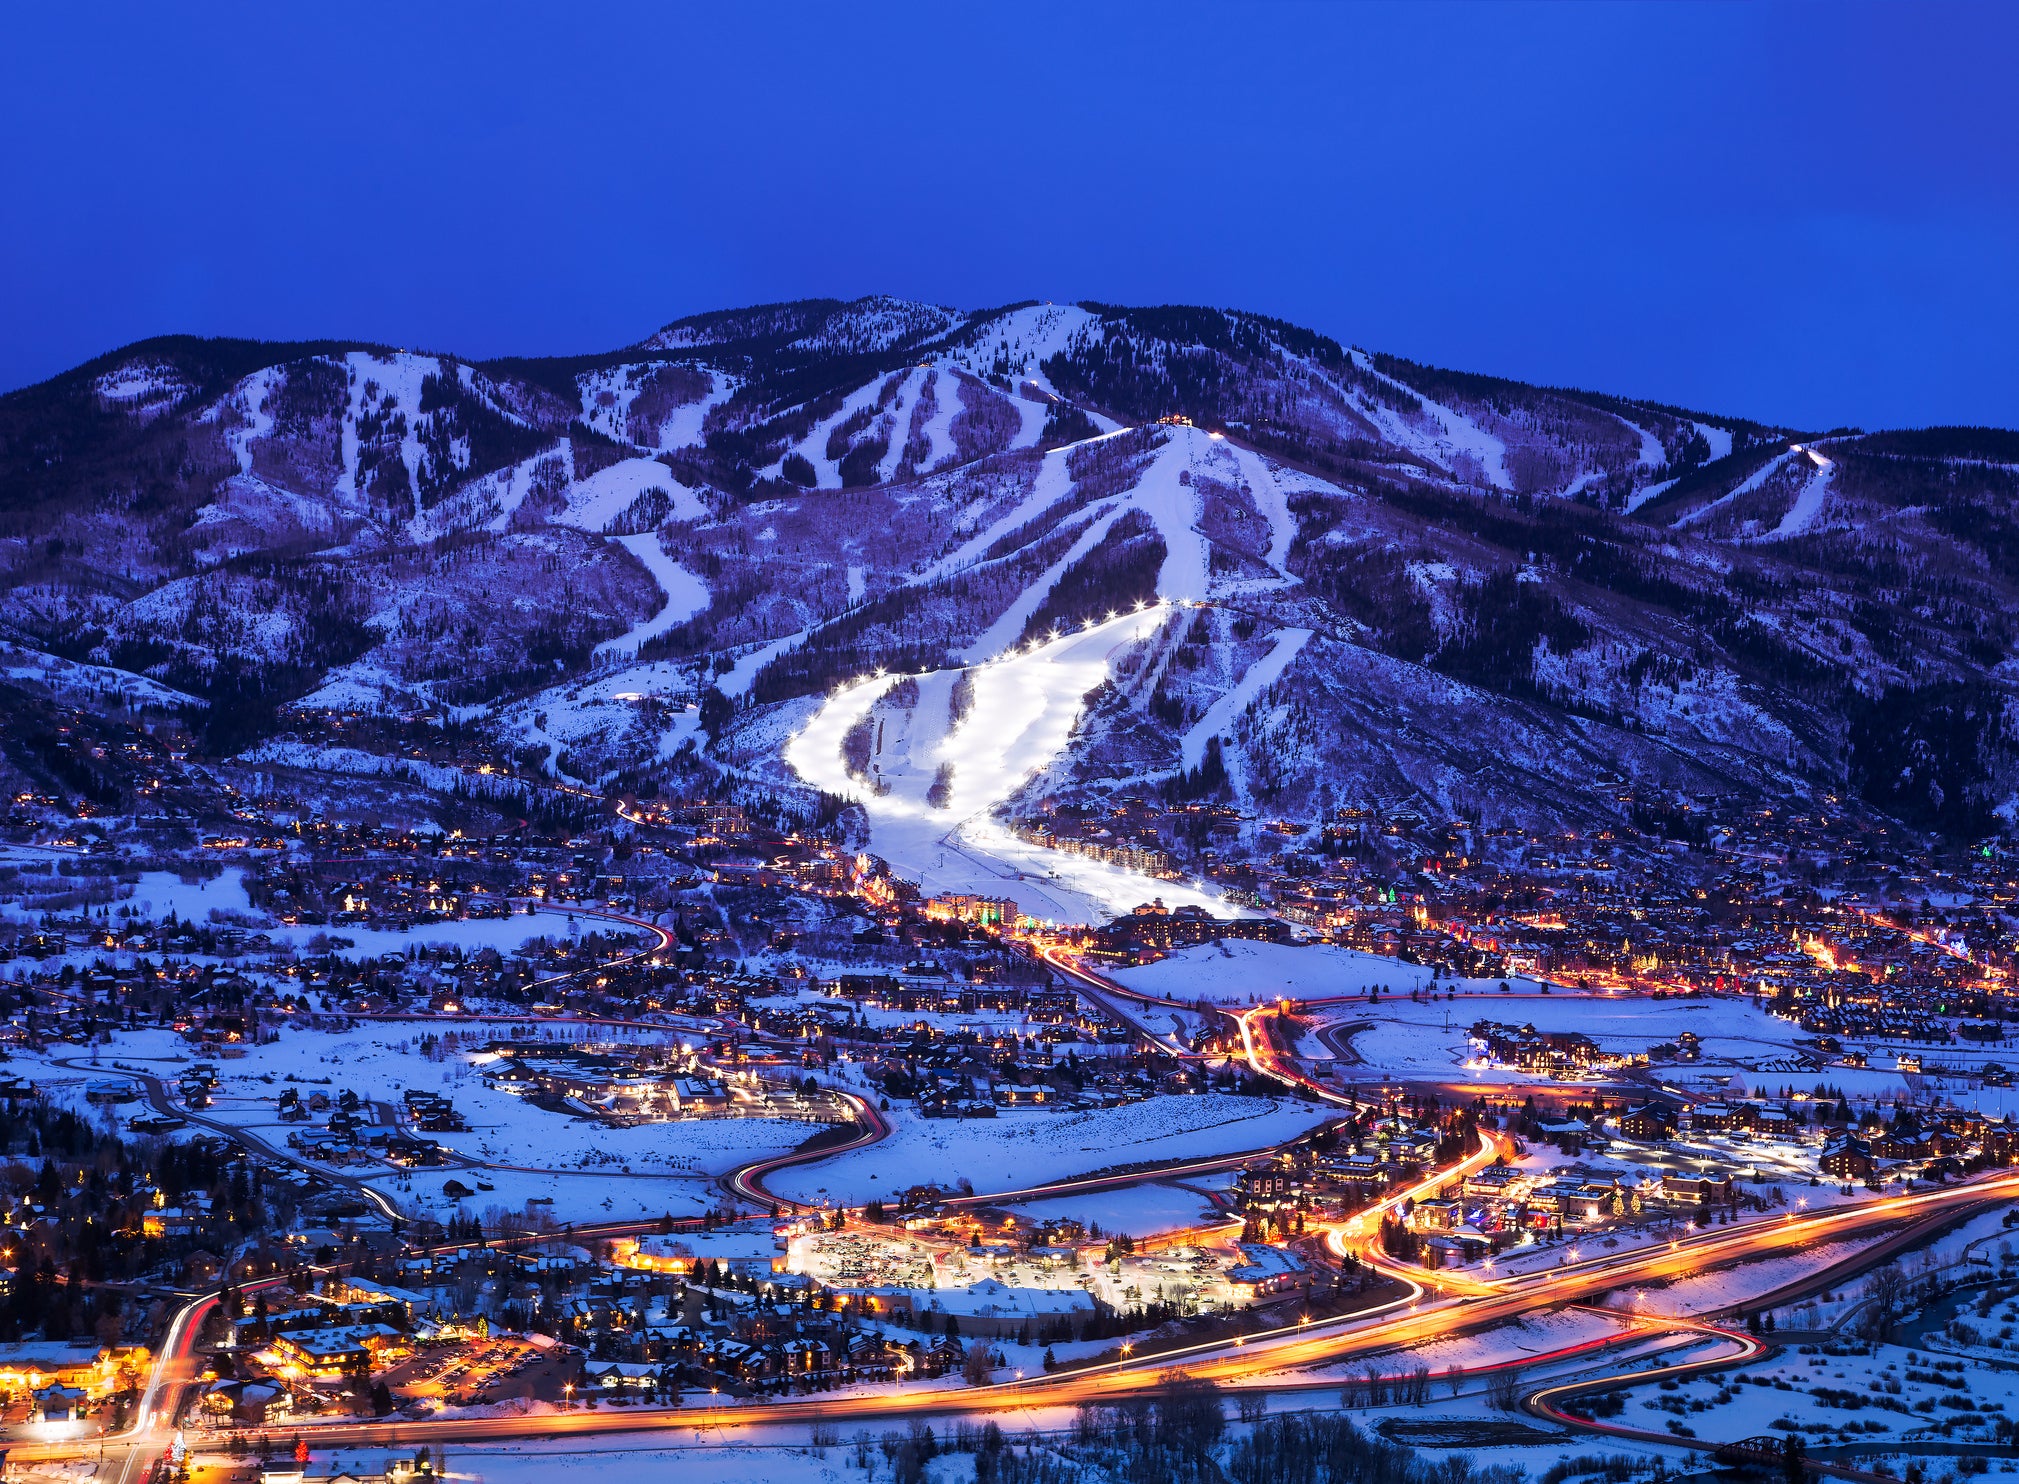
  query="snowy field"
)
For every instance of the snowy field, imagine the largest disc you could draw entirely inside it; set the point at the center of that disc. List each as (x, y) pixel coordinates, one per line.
(1243, 973)
(1430, 1038)
(506, 1130)
(586, 1168)
(576, 1196)
(1139, 1210)
(160, 893)
(1026, 1148)
(1517, 1342)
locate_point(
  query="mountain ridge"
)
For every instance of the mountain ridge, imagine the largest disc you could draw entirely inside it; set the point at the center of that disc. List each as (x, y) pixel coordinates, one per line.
(1700, 605)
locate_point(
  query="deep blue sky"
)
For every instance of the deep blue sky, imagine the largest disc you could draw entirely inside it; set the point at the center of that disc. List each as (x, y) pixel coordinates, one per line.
(1808, 215)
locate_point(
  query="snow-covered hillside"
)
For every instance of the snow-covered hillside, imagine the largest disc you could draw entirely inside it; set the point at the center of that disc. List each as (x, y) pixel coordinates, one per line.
(1095, 552)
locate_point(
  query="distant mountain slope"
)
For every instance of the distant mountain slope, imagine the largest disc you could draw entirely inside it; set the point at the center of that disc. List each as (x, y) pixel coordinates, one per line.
(1383, 581)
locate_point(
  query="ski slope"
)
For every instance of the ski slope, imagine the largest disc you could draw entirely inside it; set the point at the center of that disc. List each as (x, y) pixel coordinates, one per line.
(1219, 718)
(686, 594)
(1024, 708)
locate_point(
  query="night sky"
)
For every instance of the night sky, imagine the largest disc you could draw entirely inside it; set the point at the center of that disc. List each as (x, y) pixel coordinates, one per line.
(1808, 214)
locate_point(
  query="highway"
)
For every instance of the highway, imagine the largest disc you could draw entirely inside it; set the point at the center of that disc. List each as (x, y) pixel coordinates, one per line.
(1410, 1320)
(1462, 1303)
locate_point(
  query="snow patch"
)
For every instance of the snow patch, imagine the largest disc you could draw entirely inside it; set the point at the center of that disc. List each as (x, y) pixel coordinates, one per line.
(1719, 439)
(1457, 435)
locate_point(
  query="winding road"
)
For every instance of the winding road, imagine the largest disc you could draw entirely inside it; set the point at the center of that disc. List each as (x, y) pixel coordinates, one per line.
(1432, 1307)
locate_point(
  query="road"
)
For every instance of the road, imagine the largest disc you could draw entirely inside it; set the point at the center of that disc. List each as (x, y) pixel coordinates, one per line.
(1411, 1320)
(1466, 1303)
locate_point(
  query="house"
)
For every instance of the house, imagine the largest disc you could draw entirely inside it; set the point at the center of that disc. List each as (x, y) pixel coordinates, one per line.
(617, 1375)
(94, 1368)
(1699, 1190)
(1265, 1270)
(1716, 1118)
(1650, 1123)
(241, 1401)
(1580, 1200)
(1501, 1182)
(333, 1472)
(1848, 1159)
(58, 1403)
(1435, 1216)
(339, 1350)
(1445, 1250)
(1265, 1186)
(166, 1221)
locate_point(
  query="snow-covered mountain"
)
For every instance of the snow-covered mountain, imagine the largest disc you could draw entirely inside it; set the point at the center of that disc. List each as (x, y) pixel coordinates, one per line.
(1304, 576)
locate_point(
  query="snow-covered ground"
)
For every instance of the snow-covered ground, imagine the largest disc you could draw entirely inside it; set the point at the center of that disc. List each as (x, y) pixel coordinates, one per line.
(1809, 501)
(69, 678)
(1431, 1038)
(1021, 1149)
(586, 1167)
(157, 894)
(1244, 973)
(772, 1455)
(1444, 434)
(1139, 1210)
(1219, 718)
(1756, 480)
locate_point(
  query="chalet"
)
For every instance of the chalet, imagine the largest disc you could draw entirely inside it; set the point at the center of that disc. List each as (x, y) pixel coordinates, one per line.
(1651, 1123)
(1266, 1270)
(1266, 1186)
(338, 1350)
(618, 1375)
(1848, 1158)
(58, 1403)
(1702, 1190)
(1579, 1200)
(1717, 1118)
(1497, 1182)
(93, 1368)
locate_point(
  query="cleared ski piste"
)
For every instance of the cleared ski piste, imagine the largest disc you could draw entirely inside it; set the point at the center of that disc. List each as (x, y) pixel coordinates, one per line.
(1025, 706)
(686, 594)
(1030, 1147)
